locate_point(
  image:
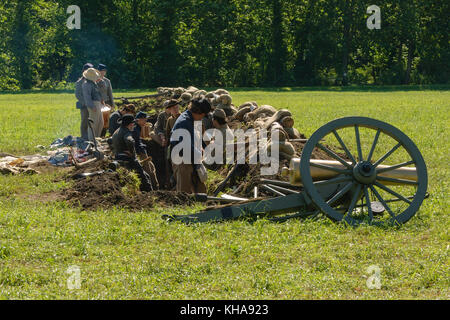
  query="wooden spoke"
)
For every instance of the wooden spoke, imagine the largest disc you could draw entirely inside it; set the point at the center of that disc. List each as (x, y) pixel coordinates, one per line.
(368, 203)
(399, 181)
(380, 198)
(358, 143)
(334, 155)
(374, 144)
(318, 165)
(340, 194)
(354, 200)
(376, 164)
(341, 142)
(381, 186)
(334, 180)
(404, 164)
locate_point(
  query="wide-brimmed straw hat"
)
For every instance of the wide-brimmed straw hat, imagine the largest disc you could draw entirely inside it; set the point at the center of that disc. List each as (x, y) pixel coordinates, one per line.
(91, 74)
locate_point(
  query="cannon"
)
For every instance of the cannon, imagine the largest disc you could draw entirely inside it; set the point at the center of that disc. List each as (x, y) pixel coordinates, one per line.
(374, 174)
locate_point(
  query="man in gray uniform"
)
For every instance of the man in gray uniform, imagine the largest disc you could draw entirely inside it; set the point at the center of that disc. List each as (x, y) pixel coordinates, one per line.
(92, 100)
(81, 105)
(105, 87)
(125, 150)
(219, 122)
(159, 133)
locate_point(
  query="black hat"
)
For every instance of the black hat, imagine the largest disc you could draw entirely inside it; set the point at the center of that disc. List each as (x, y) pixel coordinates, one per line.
(87, 66)
(102, 67)
(141, 115)
(126, 120)
(202, 104)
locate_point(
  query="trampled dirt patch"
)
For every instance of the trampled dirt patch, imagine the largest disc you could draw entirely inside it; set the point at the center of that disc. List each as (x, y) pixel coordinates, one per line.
(107, 190)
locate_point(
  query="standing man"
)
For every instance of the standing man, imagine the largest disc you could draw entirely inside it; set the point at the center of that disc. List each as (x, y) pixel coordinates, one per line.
(191, 177)
(125, 150)
(219, 122)
(104, 85)
(92, 99)
(141, 149)
(84, 127)
(159, 134)
(105, 88)
(174, 114)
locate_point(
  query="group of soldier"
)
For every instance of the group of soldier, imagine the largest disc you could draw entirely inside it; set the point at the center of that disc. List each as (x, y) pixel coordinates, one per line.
(127, 127)
(93, 92)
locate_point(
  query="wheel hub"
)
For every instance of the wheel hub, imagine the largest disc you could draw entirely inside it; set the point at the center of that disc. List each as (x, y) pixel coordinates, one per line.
(364, 172)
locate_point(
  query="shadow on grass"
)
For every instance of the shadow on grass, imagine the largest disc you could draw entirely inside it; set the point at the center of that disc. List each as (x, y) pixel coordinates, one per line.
(443, 87)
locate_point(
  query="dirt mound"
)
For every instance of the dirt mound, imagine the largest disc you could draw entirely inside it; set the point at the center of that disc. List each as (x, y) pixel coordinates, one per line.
(91, 167)
(151, 106)
(108, 190)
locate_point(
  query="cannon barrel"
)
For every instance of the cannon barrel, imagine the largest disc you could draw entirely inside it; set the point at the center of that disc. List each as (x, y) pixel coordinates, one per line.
(318, 174)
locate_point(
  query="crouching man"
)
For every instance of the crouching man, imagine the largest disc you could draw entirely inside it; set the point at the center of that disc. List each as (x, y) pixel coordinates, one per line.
(190, 176)
(124, 148)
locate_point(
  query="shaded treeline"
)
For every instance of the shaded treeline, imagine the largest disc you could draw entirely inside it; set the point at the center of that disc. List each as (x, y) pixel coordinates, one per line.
(148, 43)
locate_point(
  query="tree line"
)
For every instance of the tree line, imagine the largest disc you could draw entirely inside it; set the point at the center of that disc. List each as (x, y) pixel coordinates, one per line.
(149, 43)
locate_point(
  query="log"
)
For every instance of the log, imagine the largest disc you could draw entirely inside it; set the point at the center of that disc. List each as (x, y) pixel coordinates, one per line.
(84, 164)
(141, 97)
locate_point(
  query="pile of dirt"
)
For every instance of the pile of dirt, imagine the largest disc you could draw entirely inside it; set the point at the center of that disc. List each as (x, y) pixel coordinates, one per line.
(108, 190)
(151, 106)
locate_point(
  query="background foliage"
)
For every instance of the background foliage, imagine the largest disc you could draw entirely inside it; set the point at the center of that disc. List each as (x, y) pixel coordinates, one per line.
(148, 43)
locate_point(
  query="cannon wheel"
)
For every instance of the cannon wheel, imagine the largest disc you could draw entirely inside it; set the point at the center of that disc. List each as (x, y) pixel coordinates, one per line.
(351, 186)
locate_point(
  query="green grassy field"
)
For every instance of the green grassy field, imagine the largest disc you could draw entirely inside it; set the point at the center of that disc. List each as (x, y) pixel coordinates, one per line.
(126, 255)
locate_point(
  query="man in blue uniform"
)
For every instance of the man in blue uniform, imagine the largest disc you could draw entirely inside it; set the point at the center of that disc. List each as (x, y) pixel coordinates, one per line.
(190, 176)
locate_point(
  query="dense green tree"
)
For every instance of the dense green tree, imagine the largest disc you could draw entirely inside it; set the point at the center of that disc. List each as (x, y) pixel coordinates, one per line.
(149, 43)
(21, 43)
